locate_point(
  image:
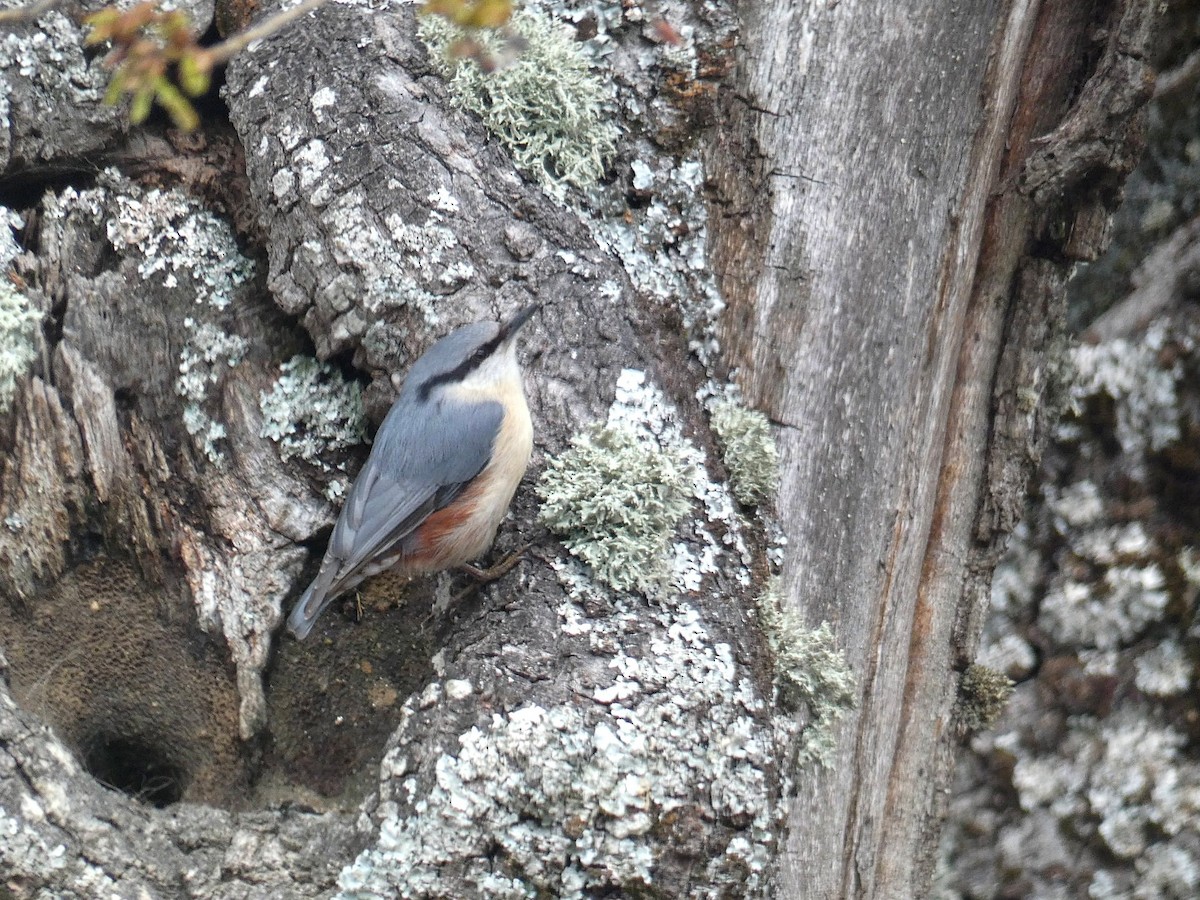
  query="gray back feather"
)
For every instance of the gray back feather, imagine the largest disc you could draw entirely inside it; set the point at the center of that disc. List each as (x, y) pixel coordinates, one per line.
(421, 458)
(426, 451)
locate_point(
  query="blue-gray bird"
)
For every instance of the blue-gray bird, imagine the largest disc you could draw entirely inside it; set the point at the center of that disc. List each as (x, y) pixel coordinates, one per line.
(445, 465)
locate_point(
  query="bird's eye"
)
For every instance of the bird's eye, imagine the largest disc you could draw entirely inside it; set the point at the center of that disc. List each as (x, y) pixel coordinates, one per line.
(479, 355)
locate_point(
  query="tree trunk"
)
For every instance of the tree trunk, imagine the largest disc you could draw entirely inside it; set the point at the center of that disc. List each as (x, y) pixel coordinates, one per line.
(932, 176)
(894, 198)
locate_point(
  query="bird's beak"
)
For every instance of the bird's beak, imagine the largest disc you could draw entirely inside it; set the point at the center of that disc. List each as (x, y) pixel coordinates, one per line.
(512, 325)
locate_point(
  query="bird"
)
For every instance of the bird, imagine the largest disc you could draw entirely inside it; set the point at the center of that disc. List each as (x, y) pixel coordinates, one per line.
(443, 469)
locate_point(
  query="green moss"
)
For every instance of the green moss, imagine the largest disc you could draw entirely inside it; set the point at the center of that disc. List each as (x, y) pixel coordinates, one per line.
(547, 107)
(982, 695)
(18, 339)
(616, 499)
(749, 449)
(810, 673)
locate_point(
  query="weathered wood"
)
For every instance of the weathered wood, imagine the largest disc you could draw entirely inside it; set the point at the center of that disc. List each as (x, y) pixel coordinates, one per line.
(894, 256)
(879, 238)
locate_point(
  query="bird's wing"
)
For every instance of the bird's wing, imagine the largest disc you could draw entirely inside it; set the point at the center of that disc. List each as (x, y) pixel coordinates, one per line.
(411, 474)
(415, 468)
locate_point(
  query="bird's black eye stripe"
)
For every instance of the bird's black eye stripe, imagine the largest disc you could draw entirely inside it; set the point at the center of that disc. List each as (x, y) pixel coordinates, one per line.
(462, 370)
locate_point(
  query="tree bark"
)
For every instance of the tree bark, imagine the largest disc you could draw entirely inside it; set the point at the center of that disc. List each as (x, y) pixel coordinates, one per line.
(891, 306)
(894, 195)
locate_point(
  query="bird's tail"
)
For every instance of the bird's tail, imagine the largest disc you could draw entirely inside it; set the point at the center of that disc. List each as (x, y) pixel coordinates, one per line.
(314, 600)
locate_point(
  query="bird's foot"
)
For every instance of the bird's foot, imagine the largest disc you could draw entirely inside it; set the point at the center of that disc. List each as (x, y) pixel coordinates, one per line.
(499, 570)
(488, 575)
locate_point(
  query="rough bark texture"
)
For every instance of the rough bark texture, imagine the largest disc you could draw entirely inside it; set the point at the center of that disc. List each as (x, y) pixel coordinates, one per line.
(545, 735)
(1087, 785)
(895, 262)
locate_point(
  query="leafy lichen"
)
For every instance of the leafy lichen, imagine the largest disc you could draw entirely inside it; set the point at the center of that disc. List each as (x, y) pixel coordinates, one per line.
(810, 673)
(547, 107)
(982, 696)
(749, 448)
(616, 499)
(202, 364)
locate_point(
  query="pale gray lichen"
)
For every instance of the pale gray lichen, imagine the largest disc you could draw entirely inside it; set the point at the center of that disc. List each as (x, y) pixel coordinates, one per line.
(642, 407)
(19, 322)
(749, 448)
(574, 798)
(312, 410)
(1078, 505)
(810, 673)
(10, 222)
(208, 353)
(1107, 613)
(1165, 670)
(1166, 871)
(548, 107)
(663, 247)
(1115, 587)
(386, 263)
(1130, 776)
(616, 499)
(174, 237)
(1132, 377)
(1010, 654)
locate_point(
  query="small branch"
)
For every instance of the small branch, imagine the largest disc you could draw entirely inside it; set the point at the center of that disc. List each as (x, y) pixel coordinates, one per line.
(1180, 77)
(221, 53)
(23, 14)
(1159, 283)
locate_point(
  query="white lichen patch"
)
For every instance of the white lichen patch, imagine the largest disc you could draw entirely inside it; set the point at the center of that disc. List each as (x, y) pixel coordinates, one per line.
(10, 222)
(1012, 581)
(1077, 506)
(208, 354)
(175, 238)
(19, 322)
(1189, 564)
(1166, 871)
(1011, 654)
(547, 106)
(311, 411)
(663, 245)
(1107, 613)
(575, 798)
(1109, 585)
(402, 263)
(1140, 386)
(640, 405)
(1165, 670)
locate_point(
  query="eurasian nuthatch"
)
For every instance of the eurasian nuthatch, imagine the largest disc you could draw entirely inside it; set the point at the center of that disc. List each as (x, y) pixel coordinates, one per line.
(445, 465)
